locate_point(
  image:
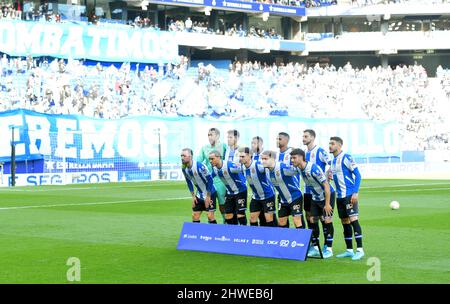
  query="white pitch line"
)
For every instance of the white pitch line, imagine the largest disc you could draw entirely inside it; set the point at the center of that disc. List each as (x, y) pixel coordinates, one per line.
(93, 204)
(31, 188)
(405, 185)
(407, 190)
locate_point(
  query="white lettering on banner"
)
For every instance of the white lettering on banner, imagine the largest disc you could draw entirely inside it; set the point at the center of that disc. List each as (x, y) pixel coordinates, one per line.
(74, 41)
(138, 138)
(191, 1)
(167, 175)
(5, 134)
(129, 46)
(65, 138)
(161, 46)
(129, 139)
(96, 34)
(391, 139)
(70, 40)
(38, 130)
(151, 139)
(52, 40)
(93, 140)
(58, 178)
(7, 37)
(112, 45)
(237, 5)
(29, 39)
(283, 10)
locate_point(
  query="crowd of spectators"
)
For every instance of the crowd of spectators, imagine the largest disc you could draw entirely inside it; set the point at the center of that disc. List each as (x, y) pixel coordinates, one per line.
(9, 11)
(299, 3)
(375, 2)
(404, 94)
(235, 30)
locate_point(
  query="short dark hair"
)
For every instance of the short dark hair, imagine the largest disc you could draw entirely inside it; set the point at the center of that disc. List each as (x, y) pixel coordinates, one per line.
(216, 153)
(258, 138)
(311, 132)
(337, 139)
(284, 134)
(214, 130)
(298, 151)
(245, 150)
(234, 132)
(189, 150)
(271, 154)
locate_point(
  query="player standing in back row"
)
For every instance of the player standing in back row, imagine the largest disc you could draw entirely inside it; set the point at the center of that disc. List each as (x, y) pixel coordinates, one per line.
(215, 144)
(232, 152)
(318, 156)
(347, 179)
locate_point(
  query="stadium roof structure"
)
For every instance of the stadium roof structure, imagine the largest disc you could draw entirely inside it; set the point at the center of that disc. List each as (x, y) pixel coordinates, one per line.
(385, 10)
(238, 6)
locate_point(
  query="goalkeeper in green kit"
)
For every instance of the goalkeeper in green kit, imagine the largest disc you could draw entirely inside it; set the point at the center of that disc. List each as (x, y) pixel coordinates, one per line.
(215, 144)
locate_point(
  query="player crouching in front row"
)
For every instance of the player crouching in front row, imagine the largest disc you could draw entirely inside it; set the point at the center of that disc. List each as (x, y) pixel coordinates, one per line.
(234, 181)
(284, 179)
(197, 174)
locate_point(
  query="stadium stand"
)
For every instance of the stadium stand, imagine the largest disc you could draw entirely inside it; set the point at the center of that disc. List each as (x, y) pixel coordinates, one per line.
(404, 94)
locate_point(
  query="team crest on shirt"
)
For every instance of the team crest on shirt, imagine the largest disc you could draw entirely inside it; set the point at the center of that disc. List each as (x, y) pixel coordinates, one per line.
(195, 173)
(253, 170)
(312, 155)
(225, 173)
(278, 173)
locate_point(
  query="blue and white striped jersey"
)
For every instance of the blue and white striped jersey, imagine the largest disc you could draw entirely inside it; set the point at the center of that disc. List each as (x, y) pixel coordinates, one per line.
(284, 179)
(344, 168)
(258, 179)
(232, 177)
(232, 155)
(255, 157)
(199, 176)
(314, 178)
(319, 157)
(284, 157)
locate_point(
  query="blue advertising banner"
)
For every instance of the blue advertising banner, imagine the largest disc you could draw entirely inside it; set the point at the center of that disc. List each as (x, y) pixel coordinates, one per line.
(79, 41)
(235, 5)
(135, 139)
(127, 149)
(270, 242)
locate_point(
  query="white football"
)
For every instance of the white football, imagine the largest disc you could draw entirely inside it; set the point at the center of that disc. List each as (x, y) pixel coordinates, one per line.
(394, 205)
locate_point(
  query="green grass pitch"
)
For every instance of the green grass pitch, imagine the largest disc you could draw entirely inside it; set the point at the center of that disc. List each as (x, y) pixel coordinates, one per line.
(128, 233)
